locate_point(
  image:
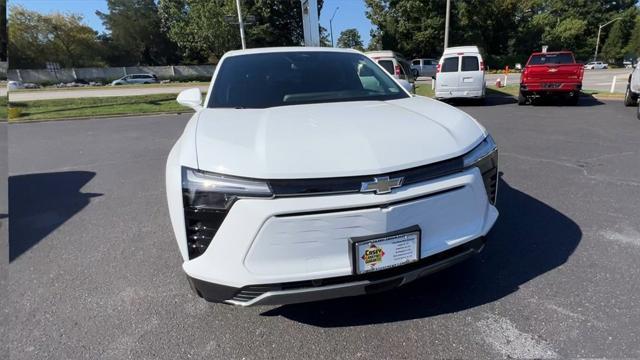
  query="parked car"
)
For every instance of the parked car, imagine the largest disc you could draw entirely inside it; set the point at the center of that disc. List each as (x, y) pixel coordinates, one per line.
(551, 74)
(424, 67)
(16, 85)
(394, 63)
(460, 74)
(310, 173)
(595, 65)
(136, 79)
(633, 88)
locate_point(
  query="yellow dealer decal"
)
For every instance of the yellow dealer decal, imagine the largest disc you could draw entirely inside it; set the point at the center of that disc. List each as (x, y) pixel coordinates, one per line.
(372, 255)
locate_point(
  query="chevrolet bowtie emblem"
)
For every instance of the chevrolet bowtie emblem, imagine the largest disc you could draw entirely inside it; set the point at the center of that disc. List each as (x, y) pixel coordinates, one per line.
(553, 70)
(381, 185)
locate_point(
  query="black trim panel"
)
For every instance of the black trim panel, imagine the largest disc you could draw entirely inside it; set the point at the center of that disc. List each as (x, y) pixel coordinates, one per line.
(377, 206)
(341, 185)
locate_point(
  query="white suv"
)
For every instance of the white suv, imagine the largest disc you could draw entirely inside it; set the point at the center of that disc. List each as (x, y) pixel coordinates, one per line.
(310, 173)
(633, 88)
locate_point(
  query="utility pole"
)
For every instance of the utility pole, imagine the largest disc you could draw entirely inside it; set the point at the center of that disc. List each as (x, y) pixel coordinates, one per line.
(595, 56)
(244, 45)
(331, 23)
(446, 25)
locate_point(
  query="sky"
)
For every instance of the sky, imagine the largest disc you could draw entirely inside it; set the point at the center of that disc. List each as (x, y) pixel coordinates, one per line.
(350, 14)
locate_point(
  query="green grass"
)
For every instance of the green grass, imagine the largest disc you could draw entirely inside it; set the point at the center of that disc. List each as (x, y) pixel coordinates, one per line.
(3, 108)
(93, 107)
(131, 86)
(424, 90)
(511, 90)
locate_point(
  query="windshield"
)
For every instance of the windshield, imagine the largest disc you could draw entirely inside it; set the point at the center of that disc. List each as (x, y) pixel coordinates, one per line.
(293, 78)
(542, 59)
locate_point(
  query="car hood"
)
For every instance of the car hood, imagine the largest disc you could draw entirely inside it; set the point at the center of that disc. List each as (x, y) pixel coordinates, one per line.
(332, 139)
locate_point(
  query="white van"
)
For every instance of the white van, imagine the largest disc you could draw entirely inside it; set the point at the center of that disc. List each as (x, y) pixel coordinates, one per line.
(394, 63)
(460, 74)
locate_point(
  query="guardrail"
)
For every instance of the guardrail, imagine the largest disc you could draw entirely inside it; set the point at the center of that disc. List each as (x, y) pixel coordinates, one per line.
(106, 74)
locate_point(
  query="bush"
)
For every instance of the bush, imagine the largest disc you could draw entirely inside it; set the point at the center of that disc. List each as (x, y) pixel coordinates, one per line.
(14, 113)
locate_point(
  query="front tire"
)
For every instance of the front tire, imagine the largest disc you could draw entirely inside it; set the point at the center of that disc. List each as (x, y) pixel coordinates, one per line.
(629, 99)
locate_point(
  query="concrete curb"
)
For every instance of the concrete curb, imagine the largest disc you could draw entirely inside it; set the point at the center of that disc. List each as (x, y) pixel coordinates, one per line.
(99, 117)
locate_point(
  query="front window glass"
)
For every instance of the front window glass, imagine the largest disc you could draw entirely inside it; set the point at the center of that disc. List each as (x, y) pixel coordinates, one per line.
(292, 78)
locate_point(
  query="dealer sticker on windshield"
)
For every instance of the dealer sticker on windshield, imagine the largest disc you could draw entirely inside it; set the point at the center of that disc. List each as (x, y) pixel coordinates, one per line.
(386, 252)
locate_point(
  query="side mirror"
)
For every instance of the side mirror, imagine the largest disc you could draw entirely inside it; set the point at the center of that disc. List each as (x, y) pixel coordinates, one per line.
(406, 85)
(191, 98)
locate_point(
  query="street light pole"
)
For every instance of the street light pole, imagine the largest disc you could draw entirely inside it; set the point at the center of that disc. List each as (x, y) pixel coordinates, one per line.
(595, 56)
(244, 45)
(446, 25)
(331, 23)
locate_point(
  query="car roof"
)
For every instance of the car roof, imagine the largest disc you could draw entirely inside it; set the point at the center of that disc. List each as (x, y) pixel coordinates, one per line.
(461, 49)
(268, 50)
(552, 52)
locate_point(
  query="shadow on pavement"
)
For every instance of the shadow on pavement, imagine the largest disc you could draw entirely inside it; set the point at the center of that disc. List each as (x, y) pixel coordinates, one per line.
(557, 101)
(40, 203)
(490, 100)
(530, 239)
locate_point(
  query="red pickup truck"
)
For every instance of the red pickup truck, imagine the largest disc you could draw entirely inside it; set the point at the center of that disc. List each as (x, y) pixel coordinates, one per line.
(551, 73)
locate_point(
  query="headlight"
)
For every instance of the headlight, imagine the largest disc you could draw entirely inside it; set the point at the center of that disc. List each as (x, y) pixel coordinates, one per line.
(207, 198)
(485, 157)
(203, 190)
(484, 149)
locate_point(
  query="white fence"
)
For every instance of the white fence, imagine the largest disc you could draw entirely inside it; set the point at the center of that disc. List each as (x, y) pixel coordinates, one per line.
(44, 76)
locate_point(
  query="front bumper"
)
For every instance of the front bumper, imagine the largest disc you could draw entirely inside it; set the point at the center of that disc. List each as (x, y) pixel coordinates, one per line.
(306, 239)
(551, 87)
(459, 94)
(323, 289)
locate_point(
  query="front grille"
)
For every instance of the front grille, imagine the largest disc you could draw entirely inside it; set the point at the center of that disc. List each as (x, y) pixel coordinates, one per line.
(323, 186)
(248, 293)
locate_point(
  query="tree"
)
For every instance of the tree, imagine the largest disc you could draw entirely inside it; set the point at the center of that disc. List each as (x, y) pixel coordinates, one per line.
(633, 47)
(35, 39)
(199, 28)
(135, 37)
(615, 47)
(350, 38)
(507, 31)
(3, 30)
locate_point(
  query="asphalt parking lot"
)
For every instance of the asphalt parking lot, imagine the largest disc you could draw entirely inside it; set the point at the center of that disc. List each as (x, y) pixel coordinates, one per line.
(95, 272)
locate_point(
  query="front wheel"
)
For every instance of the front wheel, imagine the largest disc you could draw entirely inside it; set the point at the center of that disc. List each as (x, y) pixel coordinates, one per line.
(629, 99)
